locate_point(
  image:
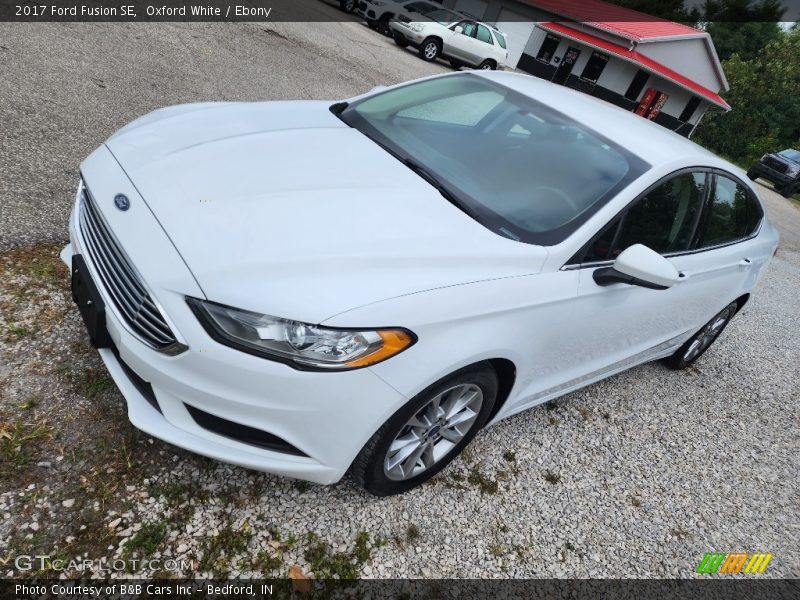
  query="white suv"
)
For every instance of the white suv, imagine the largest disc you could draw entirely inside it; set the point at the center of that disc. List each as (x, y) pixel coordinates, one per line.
(463, 41)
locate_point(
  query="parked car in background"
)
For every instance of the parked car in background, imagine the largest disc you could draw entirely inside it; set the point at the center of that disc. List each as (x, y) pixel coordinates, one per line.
(503, 242)
(781, 168)
(379, 13)
(464, 42)
(348, 6)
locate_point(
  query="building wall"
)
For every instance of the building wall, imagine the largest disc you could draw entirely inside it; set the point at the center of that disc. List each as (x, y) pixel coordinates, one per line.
(618, 73)
(673, 54)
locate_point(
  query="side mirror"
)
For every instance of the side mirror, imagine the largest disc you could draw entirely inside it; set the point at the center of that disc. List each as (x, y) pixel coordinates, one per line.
(639, 265)
(459, 29)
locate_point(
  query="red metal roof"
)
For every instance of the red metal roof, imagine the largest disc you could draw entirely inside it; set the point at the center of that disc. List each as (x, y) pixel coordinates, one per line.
(623, 21)
(640, 59)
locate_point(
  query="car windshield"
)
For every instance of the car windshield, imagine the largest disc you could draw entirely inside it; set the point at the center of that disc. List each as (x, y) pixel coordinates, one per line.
(793, 155)
(519, 167)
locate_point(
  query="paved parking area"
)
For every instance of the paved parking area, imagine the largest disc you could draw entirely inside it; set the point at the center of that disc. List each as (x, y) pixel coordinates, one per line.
(637, 476)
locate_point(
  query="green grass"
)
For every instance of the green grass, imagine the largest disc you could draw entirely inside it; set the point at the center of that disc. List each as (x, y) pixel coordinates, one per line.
(147, 541)
(223, 547)
(551, 477)
(95, 382)
(326, 564)
(17, 439)
(412, 533)
(17, 331)
(486, 485)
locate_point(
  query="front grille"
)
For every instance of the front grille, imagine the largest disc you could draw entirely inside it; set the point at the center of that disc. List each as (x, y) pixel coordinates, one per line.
(775, 164)
(120, 281)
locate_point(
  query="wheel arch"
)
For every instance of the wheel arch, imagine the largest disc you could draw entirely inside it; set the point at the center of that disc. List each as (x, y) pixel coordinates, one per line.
(506, 372)
(741, 301)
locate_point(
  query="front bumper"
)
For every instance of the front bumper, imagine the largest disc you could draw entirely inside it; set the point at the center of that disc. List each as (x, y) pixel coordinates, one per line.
(406, 33)
(326, 416)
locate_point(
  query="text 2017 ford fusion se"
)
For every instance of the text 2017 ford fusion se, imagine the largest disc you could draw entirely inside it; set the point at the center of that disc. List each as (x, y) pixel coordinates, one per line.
(308, 288)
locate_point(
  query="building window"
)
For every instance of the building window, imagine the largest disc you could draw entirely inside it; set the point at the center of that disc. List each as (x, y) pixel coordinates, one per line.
(548, 48)
(595, 66)
(691, 106)
(637, 85)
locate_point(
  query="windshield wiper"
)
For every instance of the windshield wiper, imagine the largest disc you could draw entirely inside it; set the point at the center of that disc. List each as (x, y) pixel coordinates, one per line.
(440, 187)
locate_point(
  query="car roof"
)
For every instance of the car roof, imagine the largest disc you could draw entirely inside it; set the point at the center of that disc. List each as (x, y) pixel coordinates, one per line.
(652, 142)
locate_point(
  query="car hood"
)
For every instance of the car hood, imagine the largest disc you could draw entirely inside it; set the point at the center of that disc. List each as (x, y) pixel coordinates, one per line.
(281, 208)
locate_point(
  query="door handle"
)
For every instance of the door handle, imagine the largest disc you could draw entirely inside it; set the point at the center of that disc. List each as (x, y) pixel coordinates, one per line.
(745, 262)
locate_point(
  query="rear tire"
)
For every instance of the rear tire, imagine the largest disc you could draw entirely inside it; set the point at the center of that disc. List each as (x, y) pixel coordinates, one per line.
(383, 25)
(701, 341)
(487, 65)
(430, 49)
(347, 6)
(455, 64)
(419, 440)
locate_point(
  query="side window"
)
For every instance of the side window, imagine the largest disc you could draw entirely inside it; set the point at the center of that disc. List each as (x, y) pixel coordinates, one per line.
(500, 39)
(732, 214)
(468, 28)
(484, 35)
(665, 218)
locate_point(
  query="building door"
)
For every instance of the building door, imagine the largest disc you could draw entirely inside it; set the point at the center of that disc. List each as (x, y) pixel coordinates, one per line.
(565, 68)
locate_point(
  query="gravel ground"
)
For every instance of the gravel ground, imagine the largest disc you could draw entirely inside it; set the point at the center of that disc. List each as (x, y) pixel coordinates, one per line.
(637, 476)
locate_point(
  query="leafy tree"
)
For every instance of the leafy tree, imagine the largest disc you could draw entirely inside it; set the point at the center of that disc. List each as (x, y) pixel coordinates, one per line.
(742, 27)
(765, 97)
(672, 10)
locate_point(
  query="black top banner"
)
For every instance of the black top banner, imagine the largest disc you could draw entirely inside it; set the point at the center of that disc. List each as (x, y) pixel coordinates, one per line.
(313, 10)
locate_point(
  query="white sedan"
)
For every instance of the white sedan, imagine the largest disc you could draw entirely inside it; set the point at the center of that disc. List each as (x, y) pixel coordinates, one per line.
(500, 242)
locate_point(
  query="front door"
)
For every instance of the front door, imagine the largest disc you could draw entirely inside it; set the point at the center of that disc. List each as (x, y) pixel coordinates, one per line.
(565, 68)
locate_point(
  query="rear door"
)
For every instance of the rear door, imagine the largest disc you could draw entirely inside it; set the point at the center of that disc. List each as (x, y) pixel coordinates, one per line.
(703, 223)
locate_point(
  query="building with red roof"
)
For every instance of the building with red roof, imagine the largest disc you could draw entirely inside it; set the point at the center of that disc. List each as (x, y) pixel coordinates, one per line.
(664, 71)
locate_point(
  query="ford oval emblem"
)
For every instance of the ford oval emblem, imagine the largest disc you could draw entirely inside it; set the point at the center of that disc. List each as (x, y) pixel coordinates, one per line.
(121, 202)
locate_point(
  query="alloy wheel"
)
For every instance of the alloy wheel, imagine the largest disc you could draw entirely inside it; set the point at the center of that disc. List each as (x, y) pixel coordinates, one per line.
(433, 431)
(431, 50)
(708, 334)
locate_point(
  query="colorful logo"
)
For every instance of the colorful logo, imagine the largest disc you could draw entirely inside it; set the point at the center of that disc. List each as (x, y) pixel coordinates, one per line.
(734, 562)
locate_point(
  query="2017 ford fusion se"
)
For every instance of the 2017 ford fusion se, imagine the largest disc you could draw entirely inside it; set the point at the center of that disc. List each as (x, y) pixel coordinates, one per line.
(307, 288)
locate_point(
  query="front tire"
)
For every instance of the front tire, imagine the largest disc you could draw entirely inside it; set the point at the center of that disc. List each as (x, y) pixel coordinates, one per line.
(400, 40)
(430, 49)
(487, 65)
(426, 434)
(787, 190)
(701, 341)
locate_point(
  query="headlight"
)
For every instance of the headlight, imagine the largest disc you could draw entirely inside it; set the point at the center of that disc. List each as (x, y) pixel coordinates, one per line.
(416, 26)
(301, 344)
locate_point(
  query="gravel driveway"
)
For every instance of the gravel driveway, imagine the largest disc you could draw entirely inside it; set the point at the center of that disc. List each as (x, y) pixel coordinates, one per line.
(637, 476)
